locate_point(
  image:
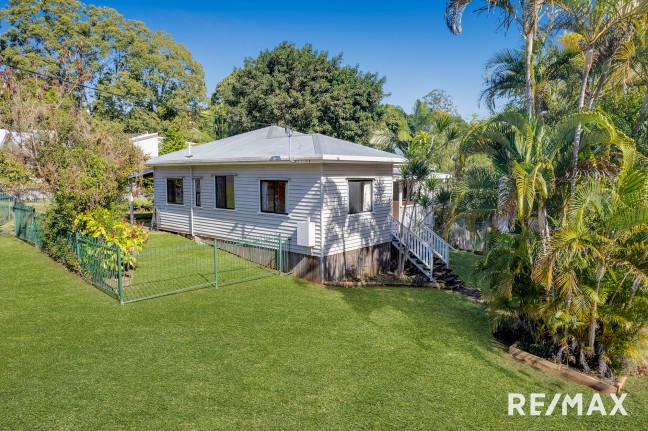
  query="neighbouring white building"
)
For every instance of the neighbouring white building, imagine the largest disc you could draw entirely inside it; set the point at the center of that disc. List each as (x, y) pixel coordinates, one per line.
(149, 143)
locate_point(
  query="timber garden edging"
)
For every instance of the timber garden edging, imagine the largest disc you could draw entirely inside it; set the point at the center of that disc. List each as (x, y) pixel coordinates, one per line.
(567, 372)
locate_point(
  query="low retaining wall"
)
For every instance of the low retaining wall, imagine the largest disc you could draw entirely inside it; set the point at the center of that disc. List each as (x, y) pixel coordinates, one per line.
(567, 372)
(381, 284)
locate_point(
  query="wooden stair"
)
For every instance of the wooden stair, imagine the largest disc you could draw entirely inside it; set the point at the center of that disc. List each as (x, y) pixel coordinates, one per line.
(430, 254)
(417, 262)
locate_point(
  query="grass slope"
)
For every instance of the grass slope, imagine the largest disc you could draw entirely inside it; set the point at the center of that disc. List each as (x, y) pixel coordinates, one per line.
(463, 264)
(276, 353)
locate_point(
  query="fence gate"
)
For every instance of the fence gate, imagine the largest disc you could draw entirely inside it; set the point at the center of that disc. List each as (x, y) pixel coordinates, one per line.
(164, 271)
(5, 208)
(27, 224)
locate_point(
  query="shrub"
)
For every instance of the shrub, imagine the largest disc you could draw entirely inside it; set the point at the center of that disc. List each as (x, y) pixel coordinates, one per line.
(105, 226)
(142, 204)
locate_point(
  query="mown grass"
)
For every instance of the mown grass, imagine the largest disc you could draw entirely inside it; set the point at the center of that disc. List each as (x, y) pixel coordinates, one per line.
(275, 353)
(463, 263)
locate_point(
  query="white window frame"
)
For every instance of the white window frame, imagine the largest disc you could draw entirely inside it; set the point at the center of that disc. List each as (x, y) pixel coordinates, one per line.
(193, 191)
(287, 181)
(216, 191)
(166, 190)
(371, 193)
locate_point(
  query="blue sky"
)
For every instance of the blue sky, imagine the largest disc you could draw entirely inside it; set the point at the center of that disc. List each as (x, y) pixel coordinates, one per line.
(405, 41)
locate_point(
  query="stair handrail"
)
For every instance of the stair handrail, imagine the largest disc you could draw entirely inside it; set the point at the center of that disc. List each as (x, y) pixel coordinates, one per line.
(415, 244)
(440, 247)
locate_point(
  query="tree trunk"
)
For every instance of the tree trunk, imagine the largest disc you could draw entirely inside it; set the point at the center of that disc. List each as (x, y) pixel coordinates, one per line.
(528, 71)
(642, 116)
(599, 86)
(579, 130)
(543, 222)
(530, 15)
(406, 251)
(592, 326)
(401, 251)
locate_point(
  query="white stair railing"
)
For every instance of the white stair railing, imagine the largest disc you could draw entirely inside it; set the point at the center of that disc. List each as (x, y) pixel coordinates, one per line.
(439, 246)
(416, 245)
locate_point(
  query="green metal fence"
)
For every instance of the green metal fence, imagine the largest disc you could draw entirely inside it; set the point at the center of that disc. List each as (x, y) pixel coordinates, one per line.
(101, 264)
(165, 271)
(27, 224)
(162, 271)
(5, 208)
(250, 258)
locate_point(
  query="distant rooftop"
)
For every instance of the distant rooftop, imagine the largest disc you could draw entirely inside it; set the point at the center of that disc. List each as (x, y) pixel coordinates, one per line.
(270, 144)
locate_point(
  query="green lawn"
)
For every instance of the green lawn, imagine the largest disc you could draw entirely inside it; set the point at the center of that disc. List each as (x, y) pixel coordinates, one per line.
(275, 353)
(463, 264)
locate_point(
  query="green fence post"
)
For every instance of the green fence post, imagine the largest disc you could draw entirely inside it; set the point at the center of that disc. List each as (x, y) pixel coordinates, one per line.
(119, 276)
(215, 264)
(76, 246)
(16, 221)
(280, 263)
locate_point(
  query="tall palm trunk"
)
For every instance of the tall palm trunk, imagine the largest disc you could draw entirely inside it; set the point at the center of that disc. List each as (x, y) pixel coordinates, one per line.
(401, 228)
(531, 16)
(401, 232)
(599, 86)
(543, 221)
(642, 116)
(587, 66)
(528, 72)
(593, 324)
(405, 252)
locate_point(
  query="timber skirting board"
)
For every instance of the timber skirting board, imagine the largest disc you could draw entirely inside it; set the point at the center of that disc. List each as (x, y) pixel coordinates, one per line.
(567, 372)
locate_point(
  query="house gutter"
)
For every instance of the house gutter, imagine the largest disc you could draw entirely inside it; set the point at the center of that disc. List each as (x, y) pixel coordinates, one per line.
(278, 160)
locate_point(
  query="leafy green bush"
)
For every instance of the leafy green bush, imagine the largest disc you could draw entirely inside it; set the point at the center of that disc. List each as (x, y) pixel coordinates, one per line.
(142, 204)
(104, 225)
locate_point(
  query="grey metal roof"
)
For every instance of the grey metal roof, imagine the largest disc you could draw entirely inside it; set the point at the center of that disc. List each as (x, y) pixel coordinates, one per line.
(270, 144)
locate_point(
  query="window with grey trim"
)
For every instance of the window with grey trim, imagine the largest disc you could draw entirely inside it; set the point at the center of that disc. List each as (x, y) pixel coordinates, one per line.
(360, 196)
(175, 193)
(197, 192)
(224, 191)
(273, 196)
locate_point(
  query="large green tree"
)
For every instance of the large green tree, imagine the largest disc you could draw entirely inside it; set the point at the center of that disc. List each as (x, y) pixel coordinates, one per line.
(153, 79)
(305, 88)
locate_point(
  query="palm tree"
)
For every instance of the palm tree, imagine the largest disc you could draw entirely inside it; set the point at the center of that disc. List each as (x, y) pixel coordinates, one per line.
(399, 127)
(526, 13)
(413, 173)
(505, 78)
(523, 161)
(594, 22)
(633, 70)
(599, 258)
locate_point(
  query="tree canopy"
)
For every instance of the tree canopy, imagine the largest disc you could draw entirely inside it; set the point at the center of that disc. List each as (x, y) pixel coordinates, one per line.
(152, 78)
(305, 88)
(440, 100)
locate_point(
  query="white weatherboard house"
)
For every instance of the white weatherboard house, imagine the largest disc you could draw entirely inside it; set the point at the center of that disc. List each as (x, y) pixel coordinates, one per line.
(265, 182)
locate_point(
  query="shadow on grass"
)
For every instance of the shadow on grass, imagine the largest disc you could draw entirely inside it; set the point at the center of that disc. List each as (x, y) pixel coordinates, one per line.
(434, 321)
